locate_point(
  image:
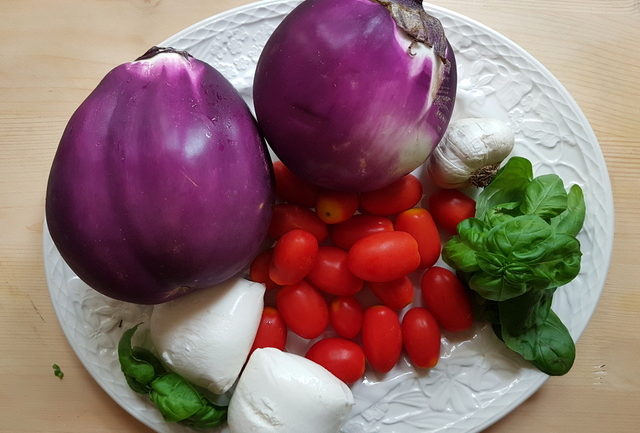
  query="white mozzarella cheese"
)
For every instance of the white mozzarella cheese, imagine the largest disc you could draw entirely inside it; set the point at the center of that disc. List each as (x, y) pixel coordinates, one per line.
(206, 336)
(281, 392)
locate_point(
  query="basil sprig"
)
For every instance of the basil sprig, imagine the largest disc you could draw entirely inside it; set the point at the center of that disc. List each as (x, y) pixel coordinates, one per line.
(176, 399)
(518, 249)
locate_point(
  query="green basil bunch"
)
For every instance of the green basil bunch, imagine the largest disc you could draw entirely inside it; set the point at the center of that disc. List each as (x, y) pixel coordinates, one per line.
(518, 249)
(177, 399)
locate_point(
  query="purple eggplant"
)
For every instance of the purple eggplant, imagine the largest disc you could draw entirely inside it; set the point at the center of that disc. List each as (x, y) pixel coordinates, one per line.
(161, 183)
(353, 94)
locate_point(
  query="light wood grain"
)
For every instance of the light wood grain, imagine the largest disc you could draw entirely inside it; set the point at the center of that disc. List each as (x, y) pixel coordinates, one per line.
(53, 52)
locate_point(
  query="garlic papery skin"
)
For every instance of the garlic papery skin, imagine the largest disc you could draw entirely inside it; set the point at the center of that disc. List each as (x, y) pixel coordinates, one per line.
(470, 152)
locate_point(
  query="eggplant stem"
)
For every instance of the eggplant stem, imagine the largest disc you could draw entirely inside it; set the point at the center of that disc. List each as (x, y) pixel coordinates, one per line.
(411, 17)
(155, 50)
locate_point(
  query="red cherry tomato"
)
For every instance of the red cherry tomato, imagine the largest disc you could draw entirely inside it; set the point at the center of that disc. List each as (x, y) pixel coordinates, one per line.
(345, 314)
(449, 207)
(421, 337)
(400, 195)
(384, 256)
(287, 217)
(293, 257)
(259, 270)
(303, 309)
(345, 234)
(272, 332)
(381, 338)
(343, 358)
(445, 296)
(334, 207)
(331, 274)
(292, 188)
(419, 224)
(395, 294)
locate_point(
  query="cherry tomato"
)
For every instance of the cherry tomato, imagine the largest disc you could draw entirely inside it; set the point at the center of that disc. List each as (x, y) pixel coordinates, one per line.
(421, 337)
(402, 194)
(303, 309)
(381, 337)
(419, 224)
(345, 234)
(334, 207)
(395, 294)
(343, 358)
(287, 217)
(445, 296)
(272, 332)
(259, 270)
(293, 257)
(449, 207)
(292, 188)
(384, 256)
(331, 274)
(345, 314)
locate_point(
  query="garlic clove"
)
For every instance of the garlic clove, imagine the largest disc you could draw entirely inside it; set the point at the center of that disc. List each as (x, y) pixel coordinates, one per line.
(470, 152)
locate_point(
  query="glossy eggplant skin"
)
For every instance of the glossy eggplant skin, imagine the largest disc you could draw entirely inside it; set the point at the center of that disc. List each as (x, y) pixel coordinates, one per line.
(161, 183)
(346, 99)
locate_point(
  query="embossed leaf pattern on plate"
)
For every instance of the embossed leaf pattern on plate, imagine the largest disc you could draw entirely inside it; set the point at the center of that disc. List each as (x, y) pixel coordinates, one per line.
(477, 381)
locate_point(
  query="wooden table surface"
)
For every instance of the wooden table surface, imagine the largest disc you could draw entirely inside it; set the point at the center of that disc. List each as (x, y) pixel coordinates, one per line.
(54, 52)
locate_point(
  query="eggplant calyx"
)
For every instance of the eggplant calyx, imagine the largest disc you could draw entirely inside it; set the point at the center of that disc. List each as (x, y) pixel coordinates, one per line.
(418, 24)
(155, 50)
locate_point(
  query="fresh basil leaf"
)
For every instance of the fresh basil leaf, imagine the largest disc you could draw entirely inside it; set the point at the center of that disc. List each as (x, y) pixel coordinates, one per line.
(508, 185)
(209, 416)
(544, 196)
(176, 399)
(548, 345)
(137, 371)
(145, 355)
(484, 309)
(517, 315)
(472, 232)
(491, 263)
(57, 371)
(520, 238)
(459, 255)
(502, 213)
(460, 251)
(495, 287)
(561, 262)
(570, 221)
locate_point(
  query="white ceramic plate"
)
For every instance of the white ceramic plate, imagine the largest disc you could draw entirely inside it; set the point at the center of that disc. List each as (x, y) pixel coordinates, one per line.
(477, 381)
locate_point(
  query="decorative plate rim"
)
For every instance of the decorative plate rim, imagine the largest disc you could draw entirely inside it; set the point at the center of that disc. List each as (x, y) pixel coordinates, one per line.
(591, 137)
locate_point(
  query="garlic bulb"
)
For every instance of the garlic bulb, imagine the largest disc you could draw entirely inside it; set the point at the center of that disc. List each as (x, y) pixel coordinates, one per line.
(470, 152)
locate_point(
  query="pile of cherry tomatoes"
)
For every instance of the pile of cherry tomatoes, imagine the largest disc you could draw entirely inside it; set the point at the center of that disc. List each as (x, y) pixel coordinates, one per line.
(330, 248)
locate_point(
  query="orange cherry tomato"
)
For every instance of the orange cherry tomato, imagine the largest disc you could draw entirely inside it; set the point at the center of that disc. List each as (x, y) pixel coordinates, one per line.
(344, 358)
(395, 294)
(272, 332)
(449, 207)
(287, 217)
(303, 309)
(331, 274)
(381, 338)
(345, 234)
(401, 195)
(345, 315)
(293, 189)
(419, 224)
(384, 256)
(334, 207)
(421, 337)
(259, 269)
(446, 298)
(293, 257)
